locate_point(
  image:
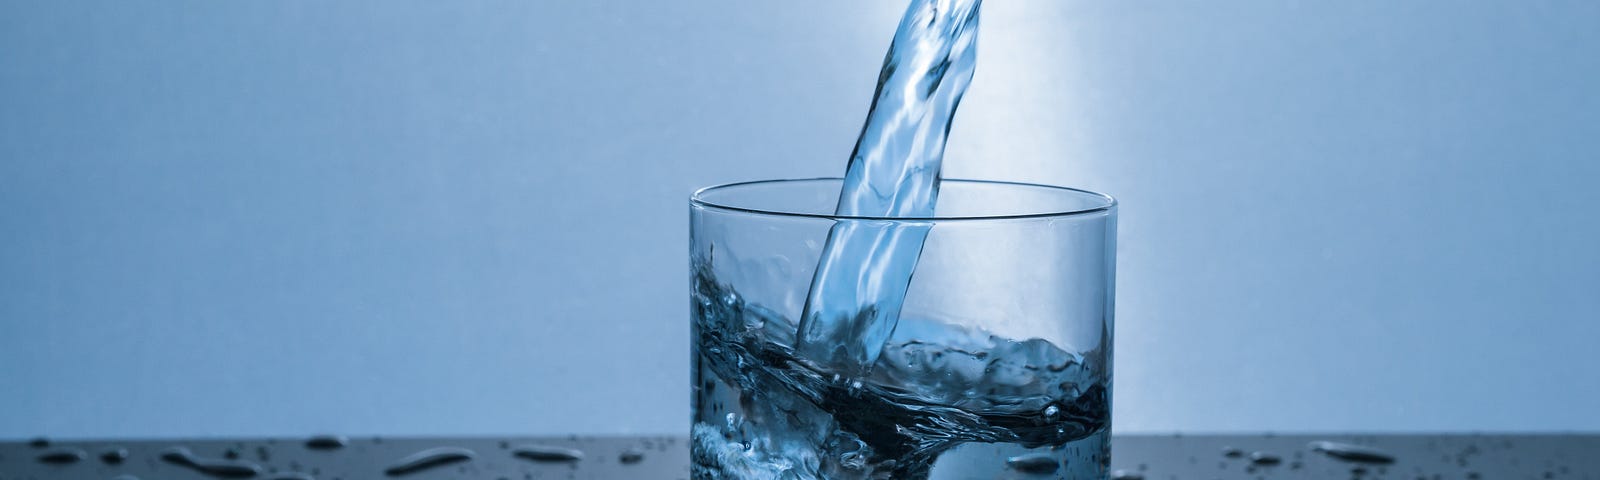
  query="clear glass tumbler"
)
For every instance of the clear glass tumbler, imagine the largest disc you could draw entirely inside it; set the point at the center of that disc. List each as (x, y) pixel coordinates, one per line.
(999, 365)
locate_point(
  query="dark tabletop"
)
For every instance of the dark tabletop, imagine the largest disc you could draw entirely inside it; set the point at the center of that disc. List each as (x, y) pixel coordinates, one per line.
(1163, 457)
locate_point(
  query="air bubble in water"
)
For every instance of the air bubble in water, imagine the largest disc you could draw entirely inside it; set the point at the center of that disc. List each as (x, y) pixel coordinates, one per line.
(1033, 463)
(1126, 475)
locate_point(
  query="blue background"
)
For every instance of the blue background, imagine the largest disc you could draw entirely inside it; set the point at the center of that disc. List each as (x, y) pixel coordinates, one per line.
(273, 218)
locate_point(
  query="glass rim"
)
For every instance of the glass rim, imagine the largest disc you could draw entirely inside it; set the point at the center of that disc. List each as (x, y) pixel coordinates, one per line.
(698, 199)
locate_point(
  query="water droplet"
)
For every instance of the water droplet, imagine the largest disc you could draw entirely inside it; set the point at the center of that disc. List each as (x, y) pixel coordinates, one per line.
(62, 456)
(1033, 463)
(327, 442)
(631, 456)
(1352, 453)
(1264, 458)
(1232, 452)
(430, 458)
(114, 456)
(1051, 411)
(547, 453)
(210, 466)
(1126, 475)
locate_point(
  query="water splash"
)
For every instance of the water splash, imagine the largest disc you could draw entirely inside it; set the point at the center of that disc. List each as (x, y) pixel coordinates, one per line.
(866, 265)
(944, 386)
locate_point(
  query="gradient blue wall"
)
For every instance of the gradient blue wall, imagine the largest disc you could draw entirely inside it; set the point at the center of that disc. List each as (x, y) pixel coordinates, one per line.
(254, 218)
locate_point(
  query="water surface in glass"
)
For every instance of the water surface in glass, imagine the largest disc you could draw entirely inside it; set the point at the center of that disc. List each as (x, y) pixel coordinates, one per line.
(999, 365)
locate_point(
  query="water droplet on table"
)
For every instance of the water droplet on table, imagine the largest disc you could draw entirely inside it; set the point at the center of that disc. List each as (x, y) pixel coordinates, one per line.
(217, 467)
(631, 456)
(326, 442)
(114, 456)
(1033, 463)
(62, 456)
(1264, 458)
(430, 458)
(1352, 453)
(548, 453)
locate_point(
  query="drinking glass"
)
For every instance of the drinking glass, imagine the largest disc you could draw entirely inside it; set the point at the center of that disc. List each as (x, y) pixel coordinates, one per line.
(999, 365)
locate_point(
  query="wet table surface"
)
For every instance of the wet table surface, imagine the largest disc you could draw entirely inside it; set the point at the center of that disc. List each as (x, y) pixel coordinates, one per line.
(1152, 457)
